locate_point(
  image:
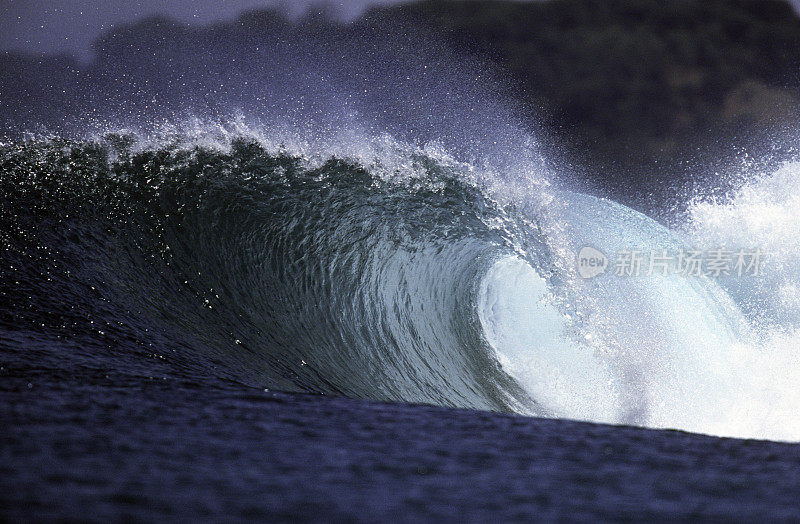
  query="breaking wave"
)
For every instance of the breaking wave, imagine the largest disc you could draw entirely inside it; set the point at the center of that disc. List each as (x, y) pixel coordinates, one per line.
(395, 272)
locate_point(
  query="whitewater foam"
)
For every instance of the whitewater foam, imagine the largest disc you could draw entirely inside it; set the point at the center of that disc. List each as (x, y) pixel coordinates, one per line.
(763, 212)
(530, 337)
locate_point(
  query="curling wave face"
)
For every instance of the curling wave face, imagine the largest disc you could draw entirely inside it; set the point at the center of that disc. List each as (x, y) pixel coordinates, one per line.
(410, 278)
(323, 278)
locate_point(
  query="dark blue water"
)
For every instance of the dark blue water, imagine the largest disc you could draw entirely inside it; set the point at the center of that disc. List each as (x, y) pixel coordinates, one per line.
(99, 444)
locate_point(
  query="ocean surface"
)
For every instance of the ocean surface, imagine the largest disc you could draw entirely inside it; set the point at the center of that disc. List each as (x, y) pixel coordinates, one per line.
(99, 444)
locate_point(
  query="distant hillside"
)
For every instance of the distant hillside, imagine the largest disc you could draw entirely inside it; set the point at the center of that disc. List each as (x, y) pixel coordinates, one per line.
(636, 80)
(631, 88)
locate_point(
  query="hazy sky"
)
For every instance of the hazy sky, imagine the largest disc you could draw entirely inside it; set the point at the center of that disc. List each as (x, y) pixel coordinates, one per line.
(71, 25)
(47, 26)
